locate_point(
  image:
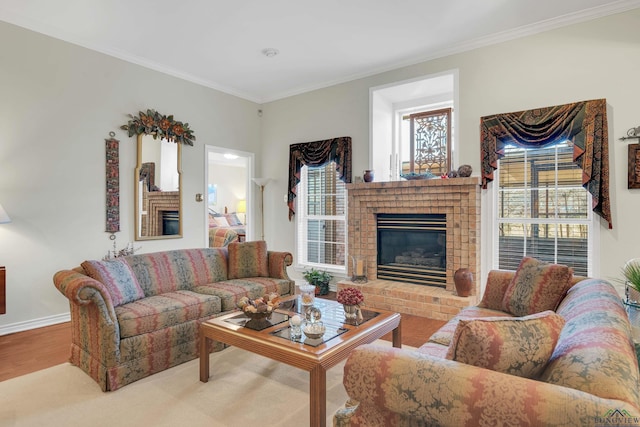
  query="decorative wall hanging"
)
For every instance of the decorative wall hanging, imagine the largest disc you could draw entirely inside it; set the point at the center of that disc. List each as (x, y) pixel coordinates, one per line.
(159, 126)
(633, 168)
(583, 123)
(317, 153)
(112, 183)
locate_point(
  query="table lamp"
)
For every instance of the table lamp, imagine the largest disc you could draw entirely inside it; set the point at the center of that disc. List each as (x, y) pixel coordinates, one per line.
(4, 217)
(242, 208)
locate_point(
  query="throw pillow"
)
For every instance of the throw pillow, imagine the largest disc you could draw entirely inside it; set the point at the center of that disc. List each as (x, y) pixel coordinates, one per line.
(248, 259)
(221, 221)
(117, 276)
(233, 219)
(212, 221)
(536, 287)
(518, 346)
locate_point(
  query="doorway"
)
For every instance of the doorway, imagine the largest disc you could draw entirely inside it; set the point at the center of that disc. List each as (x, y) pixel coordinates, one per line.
(228, 188)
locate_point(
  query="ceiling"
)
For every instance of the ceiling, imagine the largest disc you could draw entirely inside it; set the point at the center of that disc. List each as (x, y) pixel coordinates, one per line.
(219, 44)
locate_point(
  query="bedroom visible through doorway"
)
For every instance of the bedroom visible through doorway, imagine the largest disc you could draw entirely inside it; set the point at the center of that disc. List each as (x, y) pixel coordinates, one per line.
(228, 191)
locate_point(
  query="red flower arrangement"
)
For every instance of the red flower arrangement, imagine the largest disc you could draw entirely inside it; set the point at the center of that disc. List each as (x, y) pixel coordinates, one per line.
(350, 296)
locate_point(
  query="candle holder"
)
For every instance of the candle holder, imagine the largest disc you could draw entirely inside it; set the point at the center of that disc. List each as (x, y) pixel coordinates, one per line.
(358, 269)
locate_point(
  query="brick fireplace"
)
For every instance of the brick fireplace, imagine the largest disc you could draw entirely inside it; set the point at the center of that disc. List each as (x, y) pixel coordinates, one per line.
(458, 199)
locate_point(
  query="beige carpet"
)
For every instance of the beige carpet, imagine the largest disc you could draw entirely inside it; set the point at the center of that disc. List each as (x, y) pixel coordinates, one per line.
(244, 390)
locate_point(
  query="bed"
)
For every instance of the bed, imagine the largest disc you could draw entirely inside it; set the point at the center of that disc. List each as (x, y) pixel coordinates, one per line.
(224, 229)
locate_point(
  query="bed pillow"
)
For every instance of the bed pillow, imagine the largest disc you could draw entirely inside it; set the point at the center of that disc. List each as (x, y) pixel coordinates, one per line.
(519, 346)
(212, 221)
(536, 287)
(233, 219)
(117, 276)
(221, 221)
(248, 259)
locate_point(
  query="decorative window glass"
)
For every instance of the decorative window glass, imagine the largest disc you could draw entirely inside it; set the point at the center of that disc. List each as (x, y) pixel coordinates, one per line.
(430, 142)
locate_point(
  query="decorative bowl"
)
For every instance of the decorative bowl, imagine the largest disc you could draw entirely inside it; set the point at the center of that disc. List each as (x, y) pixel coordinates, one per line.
(258, 316)
(314, 330)
(413, 175)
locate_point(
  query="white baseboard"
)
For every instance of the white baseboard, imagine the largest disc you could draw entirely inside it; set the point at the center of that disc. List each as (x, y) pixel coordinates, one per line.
(35, 323)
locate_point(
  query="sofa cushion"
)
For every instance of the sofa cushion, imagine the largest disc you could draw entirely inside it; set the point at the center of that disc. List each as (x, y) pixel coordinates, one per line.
(230, 291)
(116, 275)
(444, 335)
(248, 259)
(158, 312)
(536, 287)
(518, 346)
(170, 271)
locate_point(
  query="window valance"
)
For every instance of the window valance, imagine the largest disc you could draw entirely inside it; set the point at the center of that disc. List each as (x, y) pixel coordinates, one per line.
(582, 123)
(317, 153)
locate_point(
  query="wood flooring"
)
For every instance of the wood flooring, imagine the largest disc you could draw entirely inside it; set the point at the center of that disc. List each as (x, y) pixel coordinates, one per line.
(29, 351)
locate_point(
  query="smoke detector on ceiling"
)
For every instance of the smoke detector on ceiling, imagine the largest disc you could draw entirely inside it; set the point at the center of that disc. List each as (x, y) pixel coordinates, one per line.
(270, 52)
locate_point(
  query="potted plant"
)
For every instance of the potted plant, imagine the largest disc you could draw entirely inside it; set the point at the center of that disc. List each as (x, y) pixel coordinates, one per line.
(631, 273)
(320, 279)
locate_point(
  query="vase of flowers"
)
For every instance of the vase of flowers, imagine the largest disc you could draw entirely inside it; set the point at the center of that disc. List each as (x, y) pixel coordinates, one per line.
(351, 299)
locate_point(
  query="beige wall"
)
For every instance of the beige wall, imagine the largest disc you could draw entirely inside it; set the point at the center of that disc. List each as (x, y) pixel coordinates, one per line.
(60, 101)
(597, 59)
(58, 104)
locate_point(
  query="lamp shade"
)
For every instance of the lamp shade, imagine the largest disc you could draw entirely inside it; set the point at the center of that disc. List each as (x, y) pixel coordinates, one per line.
(242, 206)
(4, 217)
(261, 181)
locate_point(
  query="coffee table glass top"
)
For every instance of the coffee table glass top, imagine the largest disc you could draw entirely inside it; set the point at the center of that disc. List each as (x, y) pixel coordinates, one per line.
(331, 332)
(333, 318)
(276, 318)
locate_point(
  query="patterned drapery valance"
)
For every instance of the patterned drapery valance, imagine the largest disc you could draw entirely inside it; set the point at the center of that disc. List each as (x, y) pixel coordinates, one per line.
(582, 123)
(317, 153)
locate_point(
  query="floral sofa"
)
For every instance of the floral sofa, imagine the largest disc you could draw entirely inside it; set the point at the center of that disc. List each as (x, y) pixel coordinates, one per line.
(137, 315)
(587, 376)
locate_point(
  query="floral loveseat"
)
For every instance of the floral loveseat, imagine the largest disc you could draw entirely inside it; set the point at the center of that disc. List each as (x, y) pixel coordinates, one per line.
(137, 315)
(589, 377)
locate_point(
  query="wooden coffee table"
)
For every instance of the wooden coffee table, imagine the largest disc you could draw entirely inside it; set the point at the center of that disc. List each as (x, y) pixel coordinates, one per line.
(314, 356)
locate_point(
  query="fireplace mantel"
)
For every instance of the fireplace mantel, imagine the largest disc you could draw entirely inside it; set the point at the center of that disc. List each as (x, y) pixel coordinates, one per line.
(458, 198)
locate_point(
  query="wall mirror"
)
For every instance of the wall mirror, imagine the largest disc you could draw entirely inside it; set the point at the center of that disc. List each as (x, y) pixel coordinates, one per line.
(158, 175)
(158, 189)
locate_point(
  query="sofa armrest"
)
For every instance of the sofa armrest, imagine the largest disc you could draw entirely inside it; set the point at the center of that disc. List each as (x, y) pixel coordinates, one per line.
(497, 283)
(81, 289)
(401, 387)
(94, 325)
(278, 263)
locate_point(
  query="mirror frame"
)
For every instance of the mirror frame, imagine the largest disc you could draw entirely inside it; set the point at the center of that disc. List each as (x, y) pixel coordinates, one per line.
(137, 207)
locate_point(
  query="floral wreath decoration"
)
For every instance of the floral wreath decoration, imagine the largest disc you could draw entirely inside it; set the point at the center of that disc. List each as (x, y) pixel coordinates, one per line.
(159, 126)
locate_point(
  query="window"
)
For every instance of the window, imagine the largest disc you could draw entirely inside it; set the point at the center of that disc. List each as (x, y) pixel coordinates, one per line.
(321, 218)
(542, 209)
(429, 142)
(391, 107)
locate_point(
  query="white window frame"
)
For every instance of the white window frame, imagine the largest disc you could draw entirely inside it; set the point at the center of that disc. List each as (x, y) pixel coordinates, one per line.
(302, 218)
(593, 249)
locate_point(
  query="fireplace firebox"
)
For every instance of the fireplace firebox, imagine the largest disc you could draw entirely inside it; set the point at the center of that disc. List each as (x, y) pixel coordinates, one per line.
(412, 248)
